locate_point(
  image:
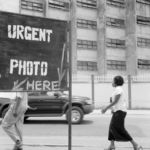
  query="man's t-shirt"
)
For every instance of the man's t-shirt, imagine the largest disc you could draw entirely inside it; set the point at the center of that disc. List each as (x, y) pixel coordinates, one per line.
(23, 101)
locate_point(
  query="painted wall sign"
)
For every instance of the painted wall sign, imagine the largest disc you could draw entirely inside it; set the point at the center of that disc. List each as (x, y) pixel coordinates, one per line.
(33, 48)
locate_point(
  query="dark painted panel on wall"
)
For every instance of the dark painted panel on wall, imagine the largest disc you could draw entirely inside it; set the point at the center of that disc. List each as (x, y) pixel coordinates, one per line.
(33, 48)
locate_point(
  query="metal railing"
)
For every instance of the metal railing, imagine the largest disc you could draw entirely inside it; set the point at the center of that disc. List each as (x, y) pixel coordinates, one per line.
(109, 78)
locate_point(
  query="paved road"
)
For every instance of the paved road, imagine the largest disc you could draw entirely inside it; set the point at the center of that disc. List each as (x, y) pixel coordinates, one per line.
(94, 128)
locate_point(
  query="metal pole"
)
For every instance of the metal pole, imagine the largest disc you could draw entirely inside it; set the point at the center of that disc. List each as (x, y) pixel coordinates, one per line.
(70, 80)
(129, 92)
(93, 89)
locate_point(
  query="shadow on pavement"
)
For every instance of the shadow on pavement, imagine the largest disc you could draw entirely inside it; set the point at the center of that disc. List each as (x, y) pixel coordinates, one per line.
(85, 122)
(45, 122)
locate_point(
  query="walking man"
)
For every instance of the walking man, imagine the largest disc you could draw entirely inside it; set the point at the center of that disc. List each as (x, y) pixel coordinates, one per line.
(13, 120)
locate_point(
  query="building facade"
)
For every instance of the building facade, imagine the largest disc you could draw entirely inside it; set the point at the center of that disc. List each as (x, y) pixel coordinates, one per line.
(109, 37)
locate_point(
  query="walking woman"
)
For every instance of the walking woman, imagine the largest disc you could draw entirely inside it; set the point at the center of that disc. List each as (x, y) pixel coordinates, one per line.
(117, 131)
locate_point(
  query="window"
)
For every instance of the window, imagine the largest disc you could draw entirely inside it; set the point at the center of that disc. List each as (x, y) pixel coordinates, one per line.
(115, 43)
(86, 66)
(81, 23)
(34, 5)
(143, 20)
(115, 22)
(147, 2)
(85, 44)
(87, 3)
(116, 65)
(143, 64)
(116, 3)
(143, 42)
(59, 4)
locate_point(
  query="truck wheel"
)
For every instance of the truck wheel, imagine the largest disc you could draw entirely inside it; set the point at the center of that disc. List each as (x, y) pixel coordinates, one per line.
(77, 115)
(25, 118)
(4, 112)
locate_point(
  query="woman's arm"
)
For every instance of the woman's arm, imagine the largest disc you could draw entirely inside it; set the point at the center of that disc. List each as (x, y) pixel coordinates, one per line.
(116, 99)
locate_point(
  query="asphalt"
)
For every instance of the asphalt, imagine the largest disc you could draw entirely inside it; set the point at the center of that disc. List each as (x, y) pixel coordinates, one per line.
(78, 142)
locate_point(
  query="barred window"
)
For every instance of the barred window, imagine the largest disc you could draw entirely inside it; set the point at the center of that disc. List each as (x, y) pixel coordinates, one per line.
(81, 23)
(143, 42)
(116, 65)
(143, 64)
(115, 43)
(86, 66)
(87, 3)
(120, 23)
(116, 3)
(59, 4)
(85, 44)
(147, 2)
(34, 5)
(143, 20)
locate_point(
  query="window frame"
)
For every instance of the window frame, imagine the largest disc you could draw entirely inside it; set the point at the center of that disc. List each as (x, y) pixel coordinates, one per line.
(116, 65)
(115, 22)
(86, 65)
(86, 44)
(143, 42)
(87, 3)
(89, 24)
(115, 43)
(116, 3)
(32, 5)
(143, 64)
(142, 20)
(58, 4)
(146, 2)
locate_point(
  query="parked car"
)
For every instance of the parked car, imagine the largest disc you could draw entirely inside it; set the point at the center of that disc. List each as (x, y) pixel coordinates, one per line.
(52, 104)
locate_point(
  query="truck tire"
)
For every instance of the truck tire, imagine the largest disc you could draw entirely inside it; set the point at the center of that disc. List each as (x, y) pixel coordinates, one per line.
(77, 115)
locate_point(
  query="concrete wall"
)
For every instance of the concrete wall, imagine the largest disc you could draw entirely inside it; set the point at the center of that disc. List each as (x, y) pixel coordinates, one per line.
(131, 37)
(143, 31)
(84, 13)
(101, 36)
(116, 54)
(115, 33)
(115, 12)
(57, 14)
(87, 34)
(143, 10)
(9, 5)
(103, 91)
(91, 55)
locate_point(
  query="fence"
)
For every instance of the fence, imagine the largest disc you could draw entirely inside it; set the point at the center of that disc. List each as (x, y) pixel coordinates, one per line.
(99, 89)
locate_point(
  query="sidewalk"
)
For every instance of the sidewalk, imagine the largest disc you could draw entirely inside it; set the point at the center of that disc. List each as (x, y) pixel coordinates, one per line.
(78, 143)
(130, 112)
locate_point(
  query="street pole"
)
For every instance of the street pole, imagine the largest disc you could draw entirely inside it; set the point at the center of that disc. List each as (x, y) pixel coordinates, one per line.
(70, 79)
(129, 92)
(92, 89)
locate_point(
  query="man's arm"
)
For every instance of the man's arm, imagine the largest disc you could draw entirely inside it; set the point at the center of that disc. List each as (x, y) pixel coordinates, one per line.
(18, 101)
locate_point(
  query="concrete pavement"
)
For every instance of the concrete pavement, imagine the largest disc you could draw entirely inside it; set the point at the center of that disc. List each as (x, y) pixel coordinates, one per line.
(78, 142)
(130, 112)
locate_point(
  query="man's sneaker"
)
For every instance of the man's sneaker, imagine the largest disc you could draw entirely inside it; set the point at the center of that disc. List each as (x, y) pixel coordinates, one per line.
(18, 145)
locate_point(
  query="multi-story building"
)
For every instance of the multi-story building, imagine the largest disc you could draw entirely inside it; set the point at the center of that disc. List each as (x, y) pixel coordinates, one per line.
(108, 36)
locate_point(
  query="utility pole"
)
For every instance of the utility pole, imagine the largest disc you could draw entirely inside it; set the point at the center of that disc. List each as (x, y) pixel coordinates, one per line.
(70, 77)
(129, 92)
